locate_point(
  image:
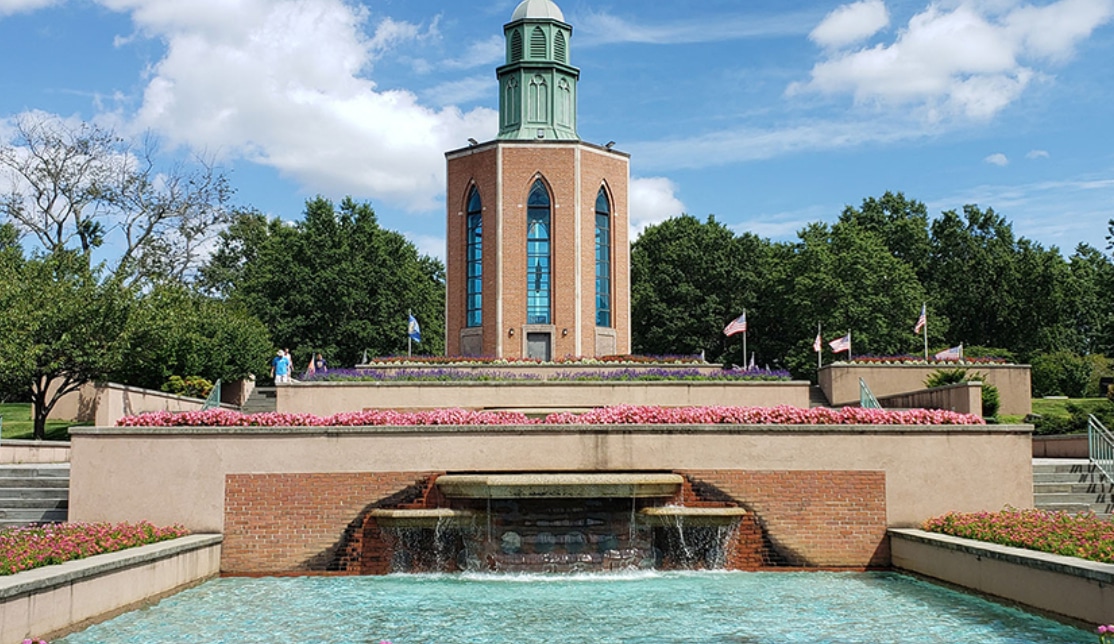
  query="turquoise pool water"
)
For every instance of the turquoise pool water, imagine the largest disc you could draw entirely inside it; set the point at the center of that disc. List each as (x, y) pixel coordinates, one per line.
(635, 608)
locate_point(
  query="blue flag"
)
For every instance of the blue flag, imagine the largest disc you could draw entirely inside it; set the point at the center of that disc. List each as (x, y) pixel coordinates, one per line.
(415, 331)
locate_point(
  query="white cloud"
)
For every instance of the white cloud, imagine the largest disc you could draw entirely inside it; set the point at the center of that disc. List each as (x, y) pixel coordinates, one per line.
(600, 27)
(997, 159)
(284, 83)
(480, 54)
(970, 60)
(652, 201)
(1037, 154)
(9, 7)
(465, 90)
(851, 23)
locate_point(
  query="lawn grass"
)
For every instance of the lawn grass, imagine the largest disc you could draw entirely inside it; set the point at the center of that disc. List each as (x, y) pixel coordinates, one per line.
(19, 426)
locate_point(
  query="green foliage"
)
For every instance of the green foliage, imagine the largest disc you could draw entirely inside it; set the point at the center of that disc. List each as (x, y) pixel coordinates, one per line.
(989, 352)
(335, 282)
(991, 398)
(176, 331)
(1072, 415)
(1062, 373)
(192, 386)
(63, 326)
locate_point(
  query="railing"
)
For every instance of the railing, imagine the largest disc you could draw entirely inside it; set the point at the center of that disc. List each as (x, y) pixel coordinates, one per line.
(866, 397)
(213, 401)
(1101, 447)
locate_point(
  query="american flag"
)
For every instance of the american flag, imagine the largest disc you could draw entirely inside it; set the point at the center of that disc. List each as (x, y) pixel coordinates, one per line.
(954, 353)
(839, 345)
(738, 325)
(921, 321)
(817, 344)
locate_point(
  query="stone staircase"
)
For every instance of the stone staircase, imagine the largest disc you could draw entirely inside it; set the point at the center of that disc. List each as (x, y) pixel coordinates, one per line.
(816, 397)
(261, 400)
(1072, 485)
(37, 493)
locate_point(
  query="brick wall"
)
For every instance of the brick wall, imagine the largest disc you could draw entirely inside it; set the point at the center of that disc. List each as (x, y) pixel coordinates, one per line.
(810, 518)
(305, 522)
(319, 523)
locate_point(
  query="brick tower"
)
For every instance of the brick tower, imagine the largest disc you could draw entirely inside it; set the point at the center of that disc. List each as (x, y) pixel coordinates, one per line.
(538, 259)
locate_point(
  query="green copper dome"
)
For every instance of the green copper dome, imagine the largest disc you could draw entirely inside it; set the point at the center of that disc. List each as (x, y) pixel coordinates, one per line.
(537, 9)
(537, 85)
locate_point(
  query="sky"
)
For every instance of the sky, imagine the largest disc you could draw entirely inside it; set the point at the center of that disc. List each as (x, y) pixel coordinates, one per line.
(769, 114)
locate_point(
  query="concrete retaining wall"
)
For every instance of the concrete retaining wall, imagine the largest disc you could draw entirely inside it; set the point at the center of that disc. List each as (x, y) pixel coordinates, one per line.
(1061, 446)
(324, 398)
(840, 382)
(1066, 586)
(20, 451)
(928, 470)
(48, 602)
(965, 398)
(103, 404)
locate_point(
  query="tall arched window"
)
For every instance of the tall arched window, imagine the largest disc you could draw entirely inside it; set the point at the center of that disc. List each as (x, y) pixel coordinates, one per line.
(513, 113)
(603, 260)
(564, 102)
(474, 253)
(537, 255)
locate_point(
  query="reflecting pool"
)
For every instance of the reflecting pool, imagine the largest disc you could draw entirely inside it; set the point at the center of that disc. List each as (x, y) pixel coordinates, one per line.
(639, 607)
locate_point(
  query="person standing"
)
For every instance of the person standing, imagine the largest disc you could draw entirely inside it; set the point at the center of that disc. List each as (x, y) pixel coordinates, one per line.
(280, 367)
(319, 364)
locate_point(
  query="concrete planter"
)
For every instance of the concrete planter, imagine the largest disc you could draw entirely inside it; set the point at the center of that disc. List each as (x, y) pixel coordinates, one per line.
(49, 601)
(324, 398)
(1074, 588)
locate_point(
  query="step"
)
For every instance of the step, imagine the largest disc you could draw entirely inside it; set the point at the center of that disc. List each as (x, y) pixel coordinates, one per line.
(1069, 477)
(1041, 500)
(34, 481)
(1073, 488)
(35, 471)
(41, 504)
(33, 515)
(10, 493)
(1071, 467)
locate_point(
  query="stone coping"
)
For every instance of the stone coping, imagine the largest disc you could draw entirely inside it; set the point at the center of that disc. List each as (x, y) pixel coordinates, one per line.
(561, 485)
(682, 511)
(19, 442)
(392, 430)
(1074, 566)
(547, 383)
(49, 577)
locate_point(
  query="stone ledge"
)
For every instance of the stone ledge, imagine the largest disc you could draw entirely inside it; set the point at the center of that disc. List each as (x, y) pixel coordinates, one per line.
(50, 577)
(1100, 572)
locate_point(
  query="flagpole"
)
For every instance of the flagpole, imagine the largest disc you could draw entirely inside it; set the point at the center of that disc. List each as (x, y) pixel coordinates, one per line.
(819, 349)
(409, 337)
(924, 309)
(745, 335)
(848, 345)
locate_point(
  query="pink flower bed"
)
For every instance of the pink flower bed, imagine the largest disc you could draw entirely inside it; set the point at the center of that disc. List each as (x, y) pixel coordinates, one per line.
(1073, 535)
(618, 415)
(36, 546)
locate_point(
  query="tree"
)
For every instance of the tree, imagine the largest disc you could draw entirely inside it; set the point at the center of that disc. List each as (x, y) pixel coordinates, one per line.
(74, 187)
(845, 279)
(901, 224)
(688, 280)
(335, 282)
(63, 327)
(176, 332)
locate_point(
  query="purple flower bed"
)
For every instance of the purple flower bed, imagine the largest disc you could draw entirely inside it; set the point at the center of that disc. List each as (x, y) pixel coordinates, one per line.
(615, 375)
(617, 415)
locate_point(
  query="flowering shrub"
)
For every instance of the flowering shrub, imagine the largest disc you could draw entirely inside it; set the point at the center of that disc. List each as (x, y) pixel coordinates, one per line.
(1073, 535)
(618, 415)
(32, 547)
(616, 375)
(488, 360)
(647, 375)
(1106, 634)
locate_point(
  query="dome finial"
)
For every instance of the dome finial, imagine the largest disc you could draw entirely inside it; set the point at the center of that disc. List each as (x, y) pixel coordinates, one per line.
(537, 9)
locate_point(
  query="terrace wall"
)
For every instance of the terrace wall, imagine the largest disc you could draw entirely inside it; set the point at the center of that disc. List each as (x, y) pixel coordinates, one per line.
(308, 485)
(840, 382)
(21, 451)
(105, 403)
(964, 398)
(325, 398)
